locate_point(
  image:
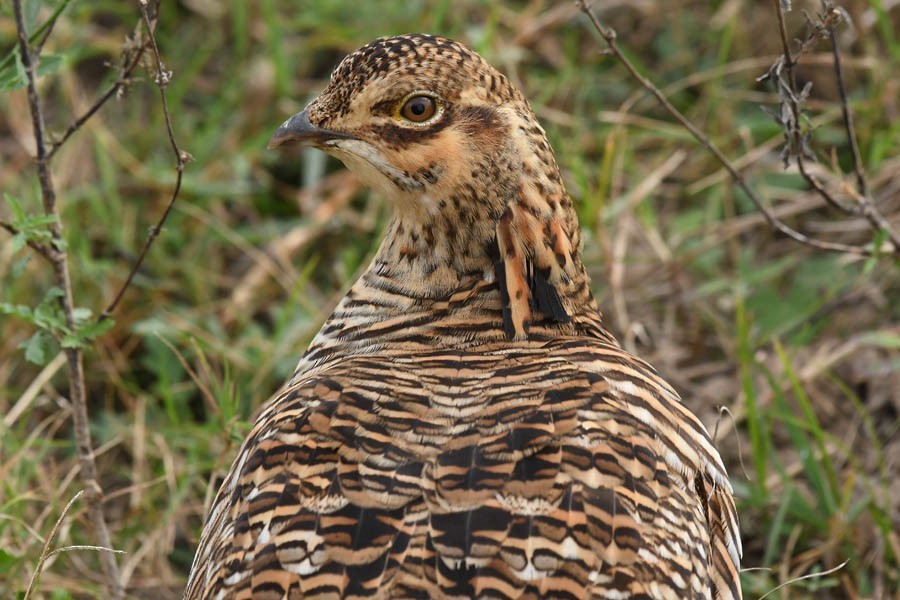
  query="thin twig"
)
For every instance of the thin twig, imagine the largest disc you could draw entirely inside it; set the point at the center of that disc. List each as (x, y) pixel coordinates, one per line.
(803, 577)
(795, 137)
(48, 29)
(29, 62)
(609, 35)
(162, 78)
(74, 357)
(795, 143)
(129, 62)
(861, 184)
(727, 411)
(785, 43)
(870, 210)
(45, 251)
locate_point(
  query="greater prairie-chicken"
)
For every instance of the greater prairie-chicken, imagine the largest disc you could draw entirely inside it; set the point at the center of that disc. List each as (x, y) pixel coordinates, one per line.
(463, 425)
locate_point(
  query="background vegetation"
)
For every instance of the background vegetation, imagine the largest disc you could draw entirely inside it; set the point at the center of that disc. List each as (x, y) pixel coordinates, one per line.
(800, 345)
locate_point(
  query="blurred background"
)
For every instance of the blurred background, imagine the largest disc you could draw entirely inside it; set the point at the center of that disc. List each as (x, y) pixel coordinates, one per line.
(802, 347)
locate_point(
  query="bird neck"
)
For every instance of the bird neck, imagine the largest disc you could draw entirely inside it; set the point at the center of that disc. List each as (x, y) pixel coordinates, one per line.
(528, 272)
(502, 215)
(435, 258)
(436, 282)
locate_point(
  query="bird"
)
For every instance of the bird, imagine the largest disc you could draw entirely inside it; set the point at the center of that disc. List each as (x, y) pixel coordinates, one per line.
(464, 425)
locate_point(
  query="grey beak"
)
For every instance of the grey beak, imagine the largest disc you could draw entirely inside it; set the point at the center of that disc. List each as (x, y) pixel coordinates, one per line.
(299, 129)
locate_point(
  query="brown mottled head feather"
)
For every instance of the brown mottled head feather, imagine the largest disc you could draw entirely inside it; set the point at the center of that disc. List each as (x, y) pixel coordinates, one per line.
(507, 191)
(463, 425)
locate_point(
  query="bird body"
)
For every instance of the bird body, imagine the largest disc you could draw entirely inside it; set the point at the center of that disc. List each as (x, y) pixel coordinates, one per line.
(463, 425)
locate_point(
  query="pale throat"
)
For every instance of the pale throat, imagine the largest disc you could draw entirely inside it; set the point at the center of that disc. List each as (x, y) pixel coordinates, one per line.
(446, 209)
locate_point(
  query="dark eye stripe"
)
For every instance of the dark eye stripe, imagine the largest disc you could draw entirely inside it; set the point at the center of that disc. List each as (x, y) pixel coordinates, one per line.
(398, 136)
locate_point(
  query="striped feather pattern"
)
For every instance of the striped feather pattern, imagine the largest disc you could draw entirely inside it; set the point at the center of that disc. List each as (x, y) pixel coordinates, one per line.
(559, 466)
(463, 426)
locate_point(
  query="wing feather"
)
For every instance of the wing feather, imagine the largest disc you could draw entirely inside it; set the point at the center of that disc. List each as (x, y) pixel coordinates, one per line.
(558, 470)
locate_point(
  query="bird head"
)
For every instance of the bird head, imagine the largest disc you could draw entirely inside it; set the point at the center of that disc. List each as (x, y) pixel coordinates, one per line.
(432, 126)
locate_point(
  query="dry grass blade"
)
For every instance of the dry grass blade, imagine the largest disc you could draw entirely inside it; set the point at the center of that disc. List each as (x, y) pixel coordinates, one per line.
(46, 553)
(803, 577)
(33, 390)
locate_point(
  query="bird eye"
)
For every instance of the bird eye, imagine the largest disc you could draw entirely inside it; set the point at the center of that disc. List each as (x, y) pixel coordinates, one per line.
(419, 109)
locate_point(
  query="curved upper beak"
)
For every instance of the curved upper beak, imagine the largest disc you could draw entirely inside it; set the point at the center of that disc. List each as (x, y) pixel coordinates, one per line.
(300, 130)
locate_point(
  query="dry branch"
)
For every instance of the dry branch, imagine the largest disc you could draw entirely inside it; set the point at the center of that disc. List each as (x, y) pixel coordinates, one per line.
(54, 251)
(797, 145)
(162, 79)
(74, 356)
(609, 36)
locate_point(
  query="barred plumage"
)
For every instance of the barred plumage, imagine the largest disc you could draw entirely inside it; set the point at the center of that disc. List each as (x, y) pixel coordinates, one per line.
(463, 425)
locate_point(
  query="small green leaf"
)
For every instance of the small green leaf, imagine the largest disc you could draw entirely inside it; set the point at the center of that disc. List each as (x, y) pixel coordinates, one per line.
(86, 332)
(70, 340)
(887, 340)
(50, 317)
(38, 347)
(13, 76)
(48, 314)
(18, 242)
(880, 237)
(17, 310)
(30, 227)
(16, 207)
(21, 74)
(95, 328)
(869, 264)
(38, 221)
(81, 314)
(19, 266)
(7, 561)
(30, 15)
(53, 293)
(12, 72)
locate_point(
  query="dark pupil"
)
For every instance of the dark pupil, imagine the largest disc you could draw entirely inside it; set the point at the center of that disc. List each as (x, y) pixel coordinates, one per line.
(418, 107)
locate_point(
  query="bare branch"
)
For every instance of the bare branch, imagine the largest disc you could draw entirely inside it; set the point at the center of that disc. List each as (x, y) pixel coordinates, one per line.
(130, 60)
(861, 184)
(609, 35)
(181, 159)
(796, 140)
(74, 357)
(835, 15)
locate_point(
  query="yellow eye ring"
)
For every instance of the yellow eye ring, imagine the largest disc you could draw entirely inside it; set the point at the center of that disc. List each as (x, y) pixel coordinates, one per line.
(419, 108)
